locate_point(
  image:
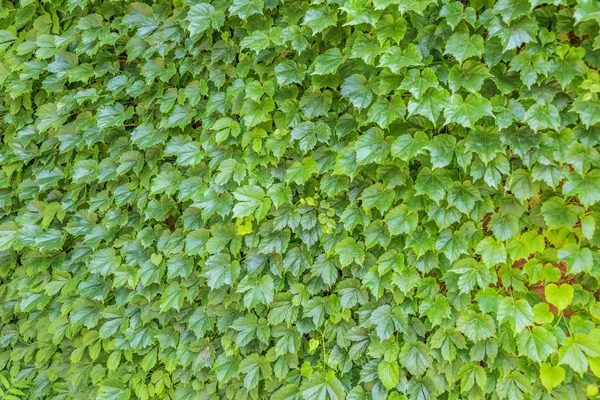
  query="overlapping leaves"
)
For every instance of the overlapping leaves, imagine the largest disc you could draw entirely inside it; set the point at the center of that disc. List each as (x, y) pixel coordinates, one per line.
(299, 200)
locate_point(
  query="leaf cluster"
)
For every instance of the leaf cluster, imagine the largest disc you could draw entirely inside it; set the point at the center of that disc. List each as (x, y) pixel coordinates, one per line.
(270, 199)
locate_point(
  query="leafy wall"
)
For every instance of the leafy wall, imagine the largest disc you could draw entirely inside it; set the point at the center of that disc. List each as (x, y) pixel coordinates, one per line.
(299, 200)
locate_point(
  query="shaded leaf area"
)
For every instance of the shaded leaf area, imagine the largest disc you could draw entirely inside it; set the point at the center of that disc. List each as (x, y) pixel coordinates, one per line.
(320, 200)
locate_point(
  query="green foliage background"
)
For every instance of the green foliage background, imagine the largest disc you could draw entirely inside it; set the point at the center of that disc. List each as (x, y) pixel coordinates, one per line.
(299, 200)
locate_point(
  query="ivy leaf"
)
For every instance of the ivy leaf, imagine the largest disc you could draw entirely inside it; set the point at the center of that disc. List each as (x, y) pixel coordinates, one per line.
(289, 72)
(432, 183)
(556, 213)
(309, 133)
(462, 46)
(202, 16)
(358, 90)
(407, 147)
(389, 373)
(542, 117)
(172, 298)
(251, 200)
(377, 196)
(471, 273)
(328, 62)
(299, 173)
(463, 196)
(492, 251)
(585, 187)
(256, 41)
(470, 75)
(415, 358)
(588, 110)
(322, 386)
(430, 105)
(536, 344)
(441, 150)
(315, 103)
(475, 326)
(417, 82)
(320, 18)
(219, 270)
(551, 376)
(372, 147)
(574, 352)
(257, 292)
(246, 8)
(518, 313)
(350, 251)
(513, 35)
(467, 111)
(395, 58)
(400, 220)
(384, 112)
(578, 259)
(387, 320)
(560, 296)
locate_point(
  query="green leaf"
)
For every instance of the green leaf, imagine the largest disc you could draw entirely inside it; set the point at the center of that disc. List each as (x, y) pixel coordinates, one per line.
(328, 62)
(557, 214)
(542, 117)
(491, 251)
(551, 376)
(202, 16)
(463, 196)
(537, 344)
(472, 273)
(387, 320)
(104, 262)
(476, 326)
(289, 72)
(584, 187)
(400, 220)
(257, 291)
(321, 386)
(172, 298)
(299, 173)
(350, 251)
(417, 82)
(251, 200)
(372, 147)
(320, 18)
(432, 183)
(113, 390)
(415, 358)
(467, 111)
(470, 75)
(309, 133)
(389, 373)
(246, 8)
(513, 35)
(588, 110)
(518, 313)
(315, 103)
(407, 147)
(560, 296)
(462, 46)
(578, 259)
(377, 196)
(358, 90)
(384, 111)
(575, 350)
(430, 105)
(396, 58)
(219, 270)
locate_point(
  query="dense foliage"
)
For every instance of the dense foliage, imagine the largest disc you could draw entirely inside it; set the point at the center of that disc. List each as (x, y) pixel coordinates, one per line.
(286, 199)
